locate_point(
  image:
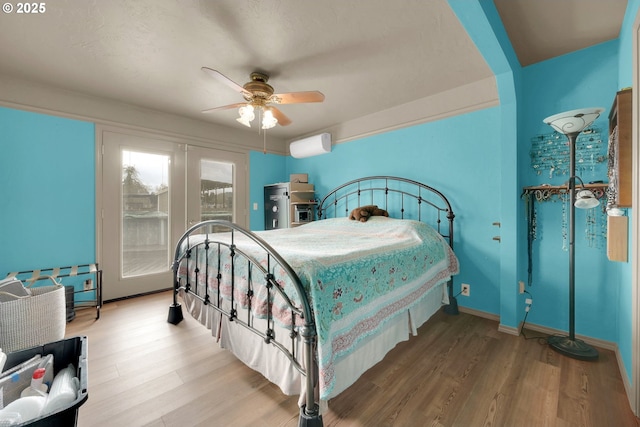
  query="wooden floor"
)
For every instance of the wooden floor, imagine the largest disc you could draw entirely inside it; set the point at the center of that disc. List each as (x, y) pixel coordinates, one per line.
(459, 371)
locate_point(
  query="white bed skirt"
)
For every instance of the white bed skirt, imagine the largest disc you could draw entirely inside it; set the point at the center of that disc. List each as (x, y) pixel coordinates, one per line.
(276, 367)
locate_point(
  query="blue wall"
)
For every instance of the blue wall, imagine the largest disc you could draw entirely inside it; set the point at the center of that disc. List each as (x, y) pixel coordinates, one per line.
(484, 26)
(459, 156)
(263, 169)
(47, 176)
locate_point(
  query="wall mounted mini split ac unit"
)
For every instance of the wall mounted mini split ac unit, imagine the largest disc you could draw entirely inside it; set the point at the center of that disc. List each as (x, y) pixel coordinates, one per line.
(311, 146)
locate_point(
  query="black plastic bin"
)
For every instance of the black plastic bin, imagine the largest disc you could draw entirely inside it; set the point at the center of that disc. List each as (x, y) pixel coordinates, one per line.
(70, 350)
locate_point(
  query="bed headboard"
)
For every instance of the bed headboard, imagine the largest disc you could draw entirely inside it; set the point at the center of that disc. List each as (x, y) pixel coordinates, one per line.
(402, 198)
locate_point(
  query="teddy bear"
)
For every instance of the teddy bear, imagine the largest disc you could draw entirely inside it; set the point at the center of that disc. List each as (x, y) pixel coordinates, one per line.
(363, 213)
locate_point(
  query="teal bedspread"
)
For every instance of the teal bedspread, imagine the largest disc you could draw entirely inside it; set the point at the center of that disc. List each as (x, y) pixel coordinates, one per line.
(358, 277)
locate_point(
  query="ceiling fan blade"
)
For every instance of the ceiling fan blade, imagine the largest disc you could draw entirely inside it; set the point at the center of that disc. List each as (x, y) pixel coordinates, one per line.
(282, 119)
(225, 107)
(297, 97)
(225, 80)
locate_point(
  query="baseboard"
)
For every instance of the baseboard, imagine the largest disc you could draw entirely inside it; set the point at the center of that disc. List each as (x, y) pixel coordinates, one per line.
(502, 328)
(508, 329)
(608, 345)
(479, 313)
(625, 380)
(137, 295)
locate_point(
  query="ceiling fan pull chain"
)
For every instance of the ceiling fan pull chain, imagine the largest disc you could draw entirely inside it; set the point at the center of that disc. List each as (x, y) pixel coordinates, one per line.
(264, 134)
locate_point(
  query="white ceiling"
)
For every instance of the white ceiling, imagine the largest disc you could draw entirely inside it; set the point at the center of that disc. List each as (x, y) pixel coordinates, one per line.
(364, 56)
(543, 29)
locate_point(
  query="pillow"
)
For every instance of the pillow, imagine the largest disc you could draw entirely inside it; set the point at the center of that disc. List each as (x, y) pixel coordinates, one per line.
(11, 289)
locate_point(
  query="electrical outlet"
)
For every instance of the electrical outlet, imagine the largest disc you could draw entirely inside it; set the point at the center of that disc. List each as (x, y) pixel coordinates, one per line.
(466, 290)
(88, 284)
(521, 286)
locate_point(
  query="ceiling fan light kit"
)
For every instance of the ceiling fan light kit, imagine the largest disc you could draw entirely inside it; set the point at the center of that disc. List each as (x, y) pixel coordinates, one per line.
(247, 114)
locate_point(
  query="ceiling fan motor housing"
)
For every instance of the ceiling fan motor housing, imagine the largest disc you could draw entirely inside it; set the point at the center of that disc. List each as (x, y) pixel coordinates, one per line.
(258, 87)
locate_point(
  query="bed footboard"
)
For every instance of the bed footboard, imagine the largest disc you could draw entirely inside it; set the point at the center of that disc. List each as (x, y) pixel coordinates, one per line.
(253, 286)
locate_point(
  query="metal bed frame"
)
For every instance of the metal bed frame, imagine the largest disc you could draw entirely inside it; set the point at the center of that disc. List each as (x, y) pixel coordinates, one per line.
(382, 190)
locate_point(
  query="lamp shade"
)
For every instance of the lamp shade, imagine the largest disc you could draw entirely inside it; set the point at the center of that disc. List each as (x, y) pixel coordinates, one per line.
(246, 115)
(585, 199)
(311, 146)
(268, 119)
(574, 121)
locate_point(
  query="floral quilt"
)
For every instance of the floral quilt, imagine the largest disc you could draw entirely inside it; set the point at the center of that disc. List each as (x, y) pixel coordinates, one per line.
(357, 275)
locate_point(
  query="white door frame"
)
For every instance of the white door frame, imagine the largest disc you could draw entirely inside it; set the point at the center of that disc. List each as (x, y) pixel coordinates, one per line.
(634, 391)
(240, 158)
(114, 285)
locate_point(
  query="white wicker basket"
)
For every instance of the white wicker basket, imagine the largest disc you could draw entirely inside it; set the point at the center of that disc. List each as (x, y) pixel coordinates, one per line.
(35, 320)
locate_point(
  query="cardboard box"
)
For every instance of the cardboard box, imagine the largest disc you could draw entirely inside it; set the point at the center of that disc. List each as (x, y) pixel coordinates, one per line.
(299, 177)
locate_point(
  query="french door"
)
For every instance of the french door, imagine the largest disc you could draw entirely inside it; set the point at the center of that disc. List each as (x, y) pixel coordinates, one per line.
(216, 186)
(152, 189)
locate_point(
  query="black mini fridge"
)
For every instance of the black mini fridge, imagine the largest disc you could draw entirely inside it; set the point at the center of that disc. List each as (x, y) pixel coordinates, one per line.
(276, 206)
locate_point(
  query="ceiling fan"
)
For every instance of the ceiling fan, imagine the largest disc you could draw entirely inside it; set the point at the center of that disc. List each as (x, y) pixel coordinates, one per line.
(259, 95)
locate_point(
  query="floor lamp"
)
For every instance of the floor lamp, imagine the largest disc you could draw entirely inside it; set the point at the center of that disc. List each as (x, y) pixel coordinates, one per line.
(571, 123)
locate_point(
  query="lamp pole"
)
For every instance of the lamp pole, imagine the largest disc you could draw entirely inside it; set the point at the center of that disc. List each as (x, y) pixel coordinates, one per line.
(571, 124)
(572, 234)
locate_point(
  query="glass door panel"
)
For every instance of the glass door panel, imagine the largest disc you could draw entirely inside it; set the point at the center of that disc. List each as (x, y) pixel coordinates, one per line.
(216, 190)
(216, 185)
(145, 213)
